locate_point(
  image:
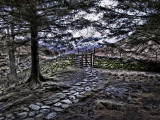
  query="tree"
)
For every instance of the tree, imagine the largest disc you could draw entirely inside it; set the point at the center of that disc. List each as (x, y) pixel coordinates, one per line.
(36, 17)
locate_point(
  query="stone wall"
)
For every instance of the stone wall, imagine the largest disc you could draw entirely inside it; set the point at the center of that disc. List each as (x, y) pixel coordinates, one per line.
(126, 63)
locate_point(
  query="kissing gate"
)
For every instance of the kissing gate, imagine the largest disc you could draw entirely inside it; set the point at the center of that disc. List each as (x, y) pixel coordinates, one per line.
(84, 59)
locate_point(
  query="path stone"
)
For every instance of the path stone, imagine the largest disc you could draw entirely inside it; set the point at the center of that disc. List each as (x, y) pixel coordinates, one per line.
(65, 106)
(51, 116)
(29, 119)
(22, 115)
(2, 118)
(34, 107)
(61, 95)
(26, 109)
(48, 102)
(10, 117)
(57, 109)
(45, 107)
(67, 101)
(44, 111)
(32, 113)
(58, 104)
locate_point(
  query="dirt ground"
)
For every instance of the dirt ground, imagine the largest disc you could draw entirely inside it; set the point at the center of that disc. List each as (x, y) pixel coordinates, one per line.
(126, 95)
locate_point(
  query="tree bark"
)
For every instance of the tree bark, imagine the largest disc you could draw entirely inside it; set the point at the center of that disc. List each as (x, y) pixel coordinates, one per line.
(35, 76)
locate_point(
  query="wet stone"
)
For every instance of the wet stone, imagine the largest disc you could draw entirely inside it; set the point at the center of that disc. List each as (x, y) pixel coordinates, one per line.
(76, 101)
(39, 104)
(32, 113)
(57, 109)
(67, 101)
(56, 100)
(51, 116)
(2, 118)
(61, 95)
(26, 109)
(45, 107)
(57, 104)
(40, 115)
(22, 115)
(29, 119)
(44, 111)
(88, 88)
(78, 84)
(65, 106)
(10, 117)
(77, 93)
(34, 107)
(48, 102)
(72, 91)
(72, 97)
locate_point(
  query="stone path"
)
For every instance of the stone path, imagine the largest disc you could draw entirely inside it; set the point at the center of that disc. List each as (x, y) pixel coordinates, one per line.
(49, 107)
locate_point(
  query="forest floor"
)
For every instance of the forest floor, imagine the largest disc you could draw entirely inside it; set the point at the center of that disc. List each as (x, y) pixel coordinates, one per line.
(86, 94)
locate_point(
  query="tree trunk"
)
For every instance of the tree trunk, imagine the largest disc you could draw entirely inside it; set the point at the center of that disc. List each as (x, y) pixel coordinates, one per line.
(35, 76)
(13, 72)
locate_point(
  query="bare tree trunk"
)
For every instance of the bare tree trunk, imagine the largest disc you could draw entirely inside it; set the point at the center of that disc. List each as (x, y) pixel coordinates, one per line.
(12, 66)
(35, 76)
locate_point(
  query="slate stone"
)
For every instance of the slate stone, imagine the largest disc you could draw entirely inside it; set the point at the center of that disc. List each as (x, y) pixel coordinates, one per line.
(29, 119)
(72, 97)
(56, 100)
(67, 101)
(2, 118)
(45, 107)
(88, 88)
(10, 117)
(22, 115)
(65, 106)
(34, 107)
(26, 109)
(44, 111)
(32, 113)
(58, 104)
(39, 104)
(51, 116)
(48, 102)
(61, 95)
(39, 115)
(57, 109)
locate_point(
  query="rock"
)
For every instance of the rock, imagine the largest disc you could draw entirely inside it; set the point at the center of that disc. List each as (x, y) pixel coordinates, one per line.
(10, 117)
(51, 116)
(58, 104)
(34, 107)
(56, 100)
(40, 115)
(72, 91)
(76, 101)
(78, 84)
(22, 115)
(80, 97)
(72, 97)
(45, 111)
(26, 109)
(48, 102)
(57, 109)
(61, 95)
(65, 106)
(67, 101)
(77, 93)
(1, 91)
(88, 88)
(65, 91)
(39, 104)
(2, 118)
(32, 113)
(45, 107)
(111, 105)
(29, 119)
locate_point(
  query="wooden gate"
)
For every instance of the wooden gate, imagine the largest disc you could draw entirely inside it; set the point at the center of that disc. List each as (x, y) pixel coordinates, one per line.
(84, 60)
